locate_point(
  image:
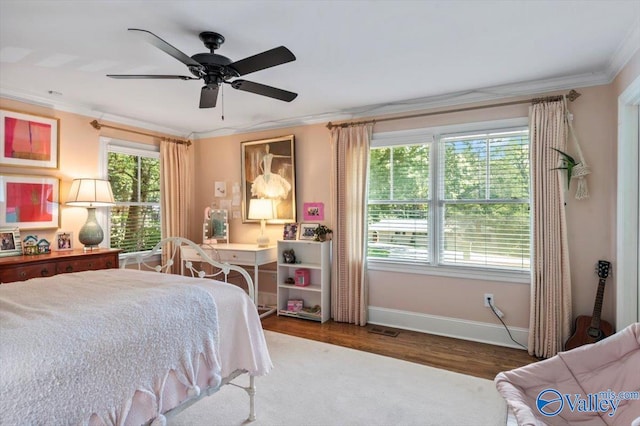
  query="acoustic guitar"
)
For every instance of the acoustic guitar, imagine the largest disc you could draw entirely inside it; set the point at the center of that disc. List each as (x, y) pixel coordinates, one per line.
(590, 329)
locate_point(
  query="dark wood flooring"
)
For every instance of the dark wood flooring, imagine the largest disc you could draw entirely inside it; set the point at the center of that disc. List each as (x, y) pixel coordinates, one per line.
(462, 356)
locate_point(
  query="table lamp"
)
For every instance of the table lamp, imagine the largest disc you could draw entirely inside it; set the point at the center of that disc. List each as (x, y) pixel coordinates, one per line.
(90, 193)
(261, 208)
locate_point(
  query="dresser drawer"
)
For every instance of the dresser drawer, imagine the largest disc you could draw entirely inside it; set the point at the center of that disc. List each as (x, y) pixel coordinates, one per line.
(25, 272)
(87, 264)
(238, 257)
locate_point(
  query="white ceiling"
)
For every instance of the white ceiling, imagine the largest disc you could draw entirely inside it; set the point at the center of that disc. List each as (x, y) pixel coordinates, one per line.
(354, 58)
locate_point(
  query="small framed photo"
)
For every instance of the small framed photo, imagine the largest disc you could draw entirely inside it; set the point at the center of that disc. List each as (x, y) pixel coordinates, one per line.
(63, 241)
(290, 231)
(10, 243)
(306, 231)
(313, 211)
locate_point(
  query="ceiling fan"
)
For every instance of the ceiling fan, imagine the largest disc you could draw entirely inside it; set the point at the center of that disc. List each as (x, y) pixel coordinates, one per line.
(216, 69)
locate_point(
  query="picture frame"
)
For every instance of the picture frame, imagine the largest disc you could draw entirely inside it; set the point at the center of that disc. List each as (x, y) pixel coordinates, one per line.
(10, 242)
(313, 211)
(290, 231)
(28, 140)
(63, 241)
(305, 231)
(29, 202)
(269, 171)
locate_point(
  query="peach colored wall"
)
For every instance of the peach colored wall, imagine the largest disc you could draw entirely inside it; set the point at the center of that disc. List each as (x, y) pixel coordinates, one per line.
(591, 222)
(79, 156)
(218, 159)
(591, 233)
(626, 76)
(591, 237)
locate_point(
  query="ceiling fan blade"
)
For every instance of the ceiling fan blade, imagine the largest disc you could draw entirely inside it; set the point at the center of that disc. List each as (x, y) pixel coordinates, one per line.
(267, 59)
(264, 90)
(209, 96)
(165, 77)
(167, 48)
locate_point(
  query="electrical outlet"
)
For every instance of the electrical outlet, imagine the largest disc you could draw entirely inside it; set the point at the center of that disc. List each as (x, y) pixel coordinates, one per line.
(488, 296)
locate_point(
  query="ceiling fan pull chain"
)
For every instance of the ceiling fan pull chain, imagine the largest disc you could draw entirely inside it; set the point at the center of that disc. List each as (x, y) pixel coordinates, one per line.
(222, 90)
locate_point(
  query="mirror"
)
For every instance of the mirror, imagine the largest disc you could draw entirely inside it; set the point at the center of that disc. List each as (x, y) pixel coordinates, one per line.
(216, 226)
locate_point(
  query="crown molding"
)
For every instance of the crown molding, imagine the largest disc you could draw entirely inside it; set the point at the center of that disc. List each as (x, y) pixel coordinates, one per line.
(89, 112)
(493, 93)
(628, 47)
(486, 94)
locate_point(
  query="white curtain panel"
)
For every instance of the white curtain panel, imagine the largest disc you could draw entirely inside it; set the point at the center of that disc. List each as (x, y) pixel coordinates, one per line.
(349, 289)
(550, 314)
(175, 189)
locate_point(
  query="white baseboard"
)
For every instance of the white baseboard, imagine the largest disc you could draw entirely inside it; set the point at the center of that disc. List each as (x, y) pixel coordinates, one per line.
(450, 327)
(267, 299)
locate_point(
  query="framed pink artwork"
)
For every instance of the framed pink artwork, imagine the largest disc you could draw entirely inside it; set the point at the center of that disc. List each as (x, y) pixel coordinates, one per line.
(313, 211)
(29, 202)
(28, 140)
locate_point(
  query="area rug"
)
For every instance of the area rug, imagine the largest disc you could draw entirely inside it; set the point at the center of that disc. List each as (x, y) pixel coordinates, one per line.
(315, 383)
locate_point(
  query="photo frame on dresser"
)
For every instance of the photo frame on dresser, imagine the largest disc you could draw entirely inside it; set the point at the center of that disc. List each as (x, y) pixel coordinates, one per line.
(63, 241)
(10, 243)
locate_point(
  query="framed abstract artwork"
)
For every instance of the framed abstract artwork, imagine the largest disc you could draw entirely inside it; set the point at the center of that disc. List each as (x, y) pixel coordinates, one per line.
(269, 171)
(29, 202)
(28, 140)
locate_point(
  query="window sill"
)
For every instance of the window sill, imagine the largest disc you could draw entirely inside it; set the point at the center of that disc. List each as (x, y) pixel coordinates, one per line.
(454, 272)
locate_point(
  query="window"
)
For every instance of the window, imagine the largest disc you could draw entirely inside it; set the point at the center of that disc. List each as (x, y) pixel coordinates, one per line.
(450, 199)
(134, 173)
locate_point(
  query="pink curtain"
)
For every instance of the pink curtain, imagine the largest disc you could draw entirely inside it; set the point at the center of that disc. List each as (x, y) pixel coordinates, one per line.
(349, 290)
(550, 312)
(176, 181)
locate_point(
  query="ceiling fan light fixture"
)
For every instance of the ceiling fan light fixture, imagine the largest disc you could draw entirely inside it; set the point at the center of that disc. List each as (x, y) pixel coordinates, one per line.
(215, 69)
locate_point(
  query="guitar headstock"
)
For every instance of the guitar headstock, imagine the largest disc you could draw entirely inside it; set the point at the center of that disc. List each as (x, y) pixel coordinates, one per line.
(603, 268)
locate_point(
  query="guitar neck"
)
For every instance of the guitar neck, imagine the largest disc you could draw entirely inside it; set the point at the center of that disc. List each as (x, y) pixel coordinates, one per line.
(597, 307)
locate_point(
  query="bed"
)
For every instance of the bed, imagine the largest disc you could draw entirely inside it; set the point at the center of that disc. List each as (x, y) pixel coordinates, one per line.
(127, 346)
(596, 384)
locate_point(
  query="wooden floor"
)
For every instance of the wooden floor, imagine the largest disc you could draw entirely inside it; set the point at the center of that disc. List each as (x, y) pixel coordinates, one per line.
(462, 356)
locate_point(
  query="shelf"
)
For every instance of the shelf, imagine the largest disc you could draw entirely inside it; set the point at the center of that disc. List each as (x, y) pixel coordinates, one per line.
(310, 287)
(301, 265)
(305, 315)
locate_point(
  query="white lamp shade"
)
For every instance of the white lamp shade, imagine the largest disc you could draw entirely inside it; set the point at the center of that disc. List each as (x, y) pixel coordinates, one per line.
(90, 193)
(260, 208)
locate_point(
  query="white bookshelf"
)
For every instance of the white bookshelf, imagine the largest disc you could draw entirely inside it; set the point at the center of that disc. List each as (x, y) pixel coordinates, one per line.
(316, 257)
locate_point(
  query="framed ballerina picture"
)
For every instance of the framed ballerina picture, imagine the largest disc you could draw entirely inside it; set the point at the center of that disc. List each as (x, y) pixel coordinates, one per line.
(269, 171)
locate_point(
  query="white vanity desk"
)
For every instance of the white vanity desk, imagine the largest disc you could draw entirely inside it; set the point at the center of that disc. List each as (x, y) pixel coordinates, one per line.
(235, 254)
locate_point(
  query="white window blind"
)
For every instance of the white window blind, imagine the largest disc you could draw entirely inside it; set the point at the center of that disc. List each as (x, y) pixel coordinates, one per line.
(450, 200)
(484, 195)
(399, 199)
(134, 174)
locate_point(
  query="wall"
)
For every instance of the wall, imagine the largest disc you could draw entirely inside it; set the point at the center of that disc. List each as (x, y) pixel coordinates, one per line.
(591, 222)
(397, 296)
(79, 156)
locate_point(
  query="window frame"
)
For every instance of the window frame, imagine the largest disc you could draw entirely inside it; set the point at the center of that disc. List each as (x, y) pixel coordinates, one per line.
(436, 206)
(122, 146)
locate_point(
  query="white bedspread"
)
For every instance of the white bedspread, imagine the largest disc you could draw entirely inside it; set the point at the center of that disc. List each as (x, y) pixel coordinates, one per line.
(63, 340)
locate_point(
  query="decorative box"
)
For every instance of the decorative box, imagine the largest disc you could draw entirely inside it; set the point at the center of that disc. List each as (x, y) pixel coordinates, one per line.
(302, 277)
(294, 305)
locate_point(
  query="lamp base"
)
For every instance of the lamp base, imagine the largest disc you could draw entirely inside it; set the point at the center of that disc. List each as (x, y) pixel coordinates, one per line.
(263, 241)
(91, 234)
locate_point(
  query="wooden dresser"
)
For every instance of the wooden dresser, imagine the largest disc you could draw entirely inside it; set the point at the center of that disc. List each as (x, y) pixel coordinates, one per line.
(20, 268)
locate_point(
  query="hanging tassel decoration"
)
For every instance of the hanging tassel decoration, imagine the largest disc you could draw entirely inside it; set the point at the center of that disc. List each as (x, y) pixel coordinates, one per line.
(581, 169)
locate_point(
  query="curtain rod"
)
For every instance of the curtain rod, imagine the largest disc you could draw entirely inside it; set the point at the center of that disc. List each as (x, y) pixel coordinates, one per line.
(98, 126)
(572, 96)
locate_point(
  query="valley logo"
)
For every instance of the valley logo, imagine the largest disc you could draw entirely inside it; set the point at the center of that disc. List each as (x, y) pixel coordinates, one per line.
(550, 402)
